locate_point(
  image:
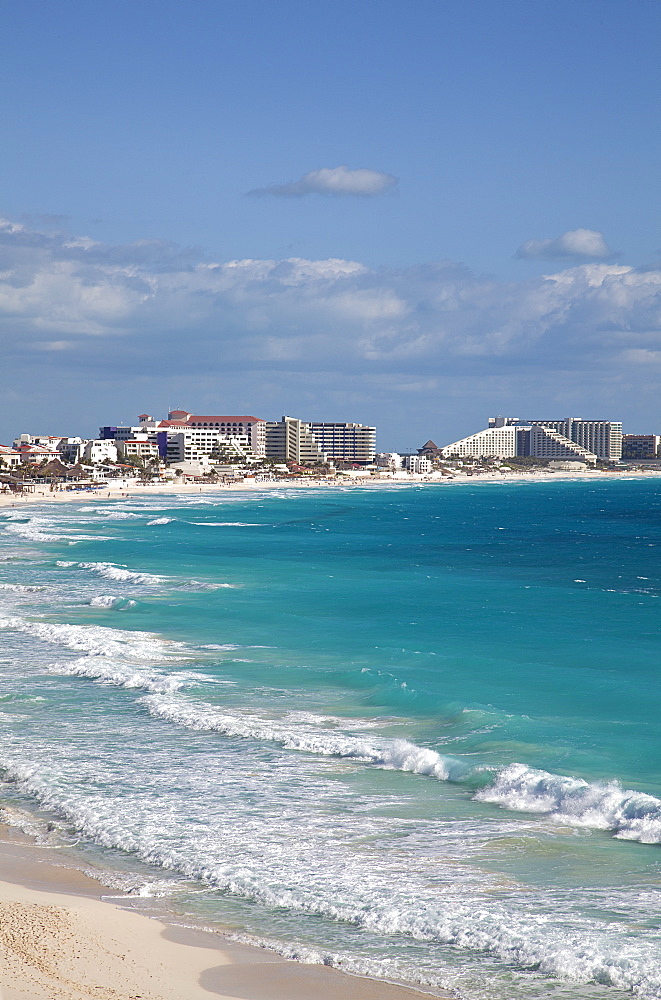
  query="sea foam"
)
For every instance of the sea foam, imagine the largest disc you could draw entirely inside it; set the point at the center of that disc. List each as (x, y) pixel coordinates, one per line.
(630, 815)
(399, 755)
(96, 640)
(124, 675)
(112, 572)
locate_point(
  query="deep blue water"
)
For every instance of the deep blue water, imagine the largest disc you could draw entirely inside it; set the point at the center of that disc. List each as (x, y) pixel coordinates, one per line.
(411, 731)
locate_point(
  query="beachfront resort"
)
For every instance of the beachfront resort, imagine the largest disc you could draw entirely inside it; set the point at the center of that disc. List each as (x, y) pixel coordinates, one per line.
(191, 448)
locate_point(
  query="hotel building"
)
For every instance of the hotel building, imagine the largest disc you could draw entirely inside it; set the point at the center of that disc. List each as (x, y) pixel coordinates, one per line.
(640, 446)
(292, 440)
(345, 442)
(601, 437)
(508, 437)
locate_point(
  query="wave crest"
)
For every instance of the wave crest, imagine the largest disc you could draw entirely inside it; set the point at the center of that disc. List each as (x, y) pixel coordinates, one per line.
(397, 755)
(630, 815)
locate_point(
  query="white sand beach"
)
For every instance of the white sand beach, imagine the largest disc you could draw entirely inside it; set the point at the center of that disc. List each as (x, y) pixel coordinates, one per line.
(60, 940)
(118, 490)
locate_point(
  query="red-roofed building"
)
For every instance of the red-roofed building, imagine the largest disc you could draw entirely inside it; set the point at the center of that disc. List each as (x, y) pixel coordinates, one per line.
(34, 453)
(252, 429)
(9, 457)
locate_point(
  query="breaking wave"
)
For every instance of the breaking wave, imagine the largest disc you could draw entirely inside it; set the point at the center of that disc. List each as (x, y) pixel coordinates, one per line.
(628, 814)
(399, 755)
(112, 572)
(120, 574)
(125, 675)
(96, 640)
(108, 601)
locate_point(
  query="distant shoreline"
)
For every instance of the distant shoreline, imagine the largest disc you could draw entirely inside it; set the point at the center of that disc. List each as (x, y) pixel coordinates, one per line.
(123, 490)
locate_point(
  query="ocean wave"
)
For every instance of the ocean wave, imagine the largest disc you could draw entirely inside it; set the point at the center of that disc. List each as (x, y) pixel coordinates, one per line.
(97, 640)
(116, 515)
(112, 572)
(35, 531)
(397, 755)
(121, 574)
(124, 675)
(563, 944)
(161, 520)
(39, 529)
(108, 601)
(20, 588)
(628, 814)
(175, 824)
(223, 645)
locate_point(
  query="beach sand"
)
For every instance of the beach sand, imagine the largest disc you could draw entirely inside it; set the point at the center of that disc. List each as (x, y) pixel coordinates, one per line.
(121, 490)
(59, 940)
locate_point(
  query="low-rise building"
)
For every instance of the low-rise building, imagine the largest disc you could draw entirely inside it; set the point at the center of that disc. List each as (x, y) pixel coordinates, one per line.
(418, 465)
(187, 437)
(140, 448)
(390, 460)
(430, 450)
(9, 457)
(35, 454)
(96, 452)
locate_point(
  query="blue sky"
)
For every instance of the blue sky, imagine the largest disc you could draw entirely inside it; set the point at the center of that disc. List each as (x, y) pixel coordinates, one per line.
(413, 214)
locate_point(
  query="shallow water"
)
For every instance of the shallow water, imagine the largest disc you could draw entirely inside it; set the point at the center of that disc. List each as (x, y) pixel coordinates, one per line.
(410, 731)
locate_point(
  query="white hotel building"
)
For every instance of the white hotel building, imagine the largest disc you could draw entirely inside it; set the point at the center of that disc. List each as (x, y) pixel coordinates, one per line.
(188, 437)
(508, 437)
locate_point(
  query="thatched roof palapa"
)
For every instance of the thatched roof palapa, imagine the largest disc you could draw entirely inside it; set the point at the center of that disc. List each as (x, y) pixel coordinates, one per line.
(54, 468)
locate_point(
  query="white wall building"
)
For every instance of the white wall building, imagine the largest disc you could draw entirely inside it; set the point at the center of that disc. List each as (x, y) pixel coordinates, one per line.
(96, 452)
(139, 447)
(186, 436)
(389, 460)
(507, 437)
(9, 458)
(252, 430)
(187, 444)
(494, 442)
(418, 465)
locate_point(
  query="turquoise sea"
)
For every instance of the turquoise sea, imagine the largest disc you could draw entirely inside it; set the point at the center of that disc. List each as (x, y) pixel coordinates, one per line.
(412, 731)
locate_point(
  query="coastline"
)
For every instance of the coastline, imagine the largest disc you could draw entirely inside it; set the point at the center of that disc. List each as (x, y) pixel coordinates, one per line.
(131, 957)
(124, 490)
(63, 938)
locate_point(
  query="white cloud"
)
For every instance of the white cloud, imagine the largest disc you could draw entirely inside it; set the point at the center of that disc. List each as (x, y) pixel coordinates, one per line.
(334, 181)
(321, 331)
(576, 244)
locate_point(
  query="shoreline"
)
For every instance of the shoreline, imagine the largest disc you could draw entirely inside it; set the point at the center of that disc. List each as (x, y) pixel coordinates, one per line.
(60, 928)
(130, 490)
(63, 938)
